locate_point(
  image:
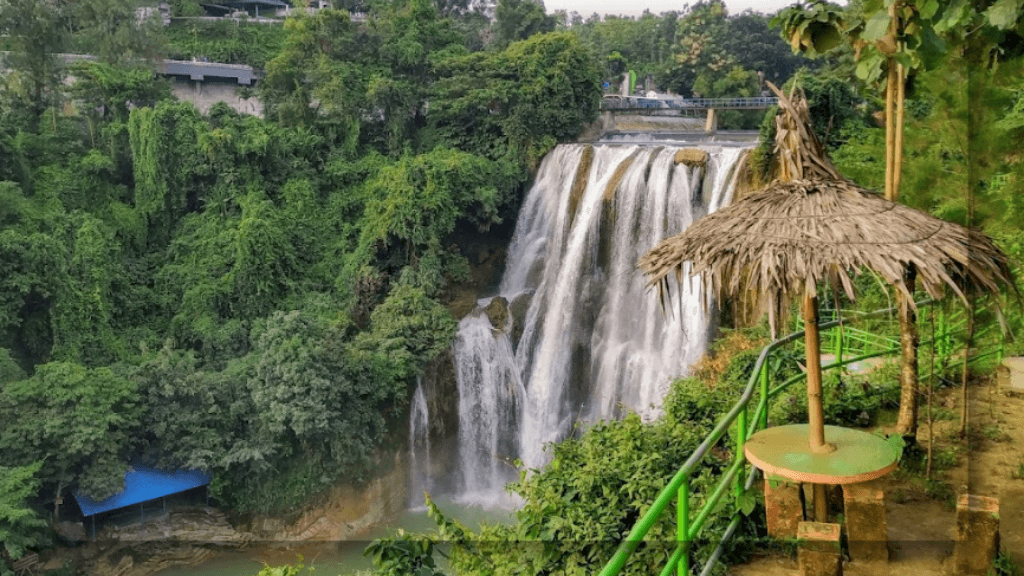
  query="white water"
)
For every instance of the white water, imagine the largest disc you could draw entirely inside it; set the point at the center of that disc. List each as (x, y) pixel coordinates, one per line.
(490, 400)
(595, 342)
(419, 446)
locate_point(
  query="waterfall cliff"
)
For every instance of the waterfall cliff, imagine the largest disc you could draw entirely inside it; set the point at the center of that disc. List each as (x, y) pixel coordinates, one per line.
(584, 339)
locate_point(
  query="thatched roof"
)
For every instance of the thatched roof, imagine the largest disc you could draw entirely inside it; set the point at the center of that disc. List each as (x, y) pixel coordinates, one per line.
(789, 237)
(784, 240)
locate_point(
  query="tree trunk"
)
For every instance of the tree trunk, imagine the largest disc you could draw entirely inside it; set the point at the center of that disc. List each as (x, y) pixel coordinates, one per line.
(906, 423)
(963, 373)
(891, 193)
(977, 77)
(897, 163)
(57, 501)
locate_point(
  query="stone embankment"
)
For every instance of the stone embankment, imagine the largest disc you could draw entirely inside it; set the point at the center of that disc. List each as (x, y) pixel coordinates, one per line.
(184, 536)
(189, 536)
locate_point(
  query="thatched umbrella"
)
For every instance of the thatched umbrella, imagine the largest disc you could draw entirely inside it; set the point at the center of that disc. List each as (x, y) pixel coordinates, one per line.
(785, 239)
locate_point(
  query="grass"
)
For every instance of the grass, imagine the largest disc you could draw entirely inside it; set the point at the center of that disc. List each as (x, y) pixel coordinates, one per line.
(1019, 472)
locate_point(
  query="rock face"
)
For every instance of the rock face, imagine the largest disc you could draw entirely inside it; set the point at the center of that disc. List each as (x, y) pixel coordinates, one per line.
(497, 312)
(348, 510)
(184, 536)
(203, 525)
(442, 395)
(518, 308)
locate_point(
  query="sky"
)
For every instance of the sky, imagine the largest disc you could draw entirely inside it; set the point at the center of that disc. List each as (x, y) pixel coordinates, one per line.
(636, 7)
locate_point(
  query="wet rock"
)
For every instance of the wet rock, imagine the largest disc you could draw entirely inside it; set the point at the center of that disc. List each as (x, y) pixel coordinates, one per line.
(497, 312)
(71, 531)
(518, 308)
(442, 393)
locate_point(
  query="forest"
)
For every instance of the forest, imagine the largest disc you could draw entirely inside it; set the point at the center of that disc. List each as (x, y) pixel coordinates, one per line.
(255, 296)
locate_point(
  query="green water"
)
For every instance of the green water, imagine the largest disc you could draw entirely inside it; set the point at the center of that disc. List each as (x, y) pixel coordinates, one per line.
(334, 558)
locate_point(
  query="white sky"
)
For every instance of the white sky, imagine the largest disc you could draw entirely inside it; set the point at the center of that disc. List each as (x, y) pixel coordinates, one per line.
(636, 7)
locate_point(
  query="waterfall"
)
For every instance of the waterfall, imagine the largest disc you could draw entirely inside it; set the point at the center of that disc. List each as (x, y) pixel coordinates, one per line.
(490, 400)
(419, 446)
(593, 340)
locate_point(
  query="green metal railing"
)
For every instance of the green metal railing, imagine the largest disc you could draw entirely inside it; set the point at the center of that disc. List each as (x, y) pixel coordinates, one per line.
(862, 345)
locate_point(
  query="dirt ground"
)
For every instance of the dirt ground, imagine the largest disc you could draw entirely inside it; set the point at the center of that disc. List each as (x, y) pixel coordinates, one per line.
(921, 521)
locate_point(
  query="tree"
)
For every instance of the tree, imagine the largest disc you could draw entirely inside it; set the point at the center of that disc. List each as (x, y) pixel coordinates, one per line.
(894, 38)
(82, 313)
(80, 422)
(20, 526)
(115, 89)
(700, 47)
(407, 35)
(518, 20)
(113, 33)
(318, 63)
(758, 48)
(39, 31)
(516, 104)
(166, 159)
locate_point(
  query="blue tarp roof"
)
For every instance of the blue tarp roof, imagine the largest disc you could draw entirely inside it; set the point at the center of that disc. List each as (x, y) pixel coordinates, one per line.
(142, 484)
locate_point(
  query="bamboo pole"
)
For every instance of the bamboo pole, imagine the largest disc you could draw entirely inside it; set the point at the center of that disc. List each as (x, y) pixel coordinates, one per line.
(897, 164)
(815, 412)
(890, 132)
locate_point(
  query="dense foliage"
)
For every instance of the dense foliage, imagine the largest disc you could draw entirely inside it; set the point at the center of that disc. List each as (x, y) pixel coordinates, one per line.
(579, 507)
(702, 50)
(248, 296)
(254, 296)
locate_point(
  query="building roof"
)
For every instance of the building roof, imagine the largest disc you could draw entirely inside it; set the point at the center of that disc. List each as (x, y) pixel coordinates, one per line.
(241, 73)
(142, 484)
(246, 3)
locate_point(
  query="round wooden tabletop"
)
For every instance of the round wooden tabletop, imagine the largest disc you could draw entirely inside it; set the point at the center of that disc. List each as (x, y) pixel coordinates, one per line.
(784, 452)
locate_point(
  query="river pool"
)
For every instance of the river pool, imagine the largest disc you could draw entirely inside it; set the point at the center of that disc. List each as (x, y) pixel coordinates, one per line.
(335, 558)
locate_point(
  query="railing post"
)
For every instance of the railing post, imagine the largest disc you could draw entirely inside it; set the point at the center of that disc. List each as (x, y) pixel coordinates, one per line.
(683, 528)
(741, 439)
(942, 337)
(839, 343)
(764, 392)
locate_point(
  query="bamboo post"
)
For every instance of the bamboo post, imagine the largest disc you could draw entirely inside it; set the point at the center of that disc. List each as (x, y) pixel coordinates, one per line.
(890, 132)
(897, 164)
(815, 411)
(683, 527)
(741, 439)
(764, 392)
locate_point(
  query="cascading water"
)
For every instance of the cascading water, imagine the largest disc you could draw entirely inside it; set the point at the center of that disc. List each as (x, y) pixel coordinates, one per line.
(419, 445)
(594, 341)
(490, 407)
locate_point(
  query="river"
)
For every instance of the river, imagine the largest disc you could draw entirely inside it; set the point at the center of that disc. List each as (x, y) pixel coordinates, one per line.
(335, 558)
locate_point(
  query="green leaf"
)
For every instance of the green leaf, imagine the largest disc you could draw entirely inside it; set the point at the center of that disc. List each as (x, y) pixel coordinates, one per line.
(931, 48)
(825, 37)
(747, 502)
(1004, 13)
(928, 8)
(870, 68)
(876, 26)
(953, 16)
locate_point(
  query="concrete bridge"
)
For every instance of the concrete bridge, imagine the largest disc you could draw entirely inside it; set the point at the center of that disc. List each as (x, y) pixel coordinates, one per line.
(206, 83)
(613, 105)
(202, 83)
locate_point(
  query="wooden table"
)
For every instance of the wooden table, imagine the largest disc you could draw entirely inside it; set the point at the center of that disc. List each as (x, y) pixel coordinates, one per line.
(784, 452)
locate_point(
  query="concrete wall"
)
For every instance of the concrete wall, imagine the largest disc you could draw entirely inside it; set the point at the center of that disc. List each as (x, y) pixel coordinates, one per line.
(210, 91)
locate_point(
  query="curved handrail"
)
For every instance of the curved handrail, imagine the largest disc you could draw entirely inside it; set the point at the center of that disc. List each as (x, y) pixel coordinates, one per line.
(678, 486)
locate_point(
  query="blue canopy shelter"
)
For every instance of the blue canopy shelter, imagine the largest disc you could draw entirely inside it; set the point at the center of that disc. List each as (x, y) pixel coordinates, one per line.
(142, 484)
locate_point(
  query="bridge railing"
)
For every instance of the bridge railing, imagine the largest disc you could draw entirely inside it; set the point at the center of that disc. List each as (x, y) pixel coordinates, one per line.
(643, 103)
(737, 479)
